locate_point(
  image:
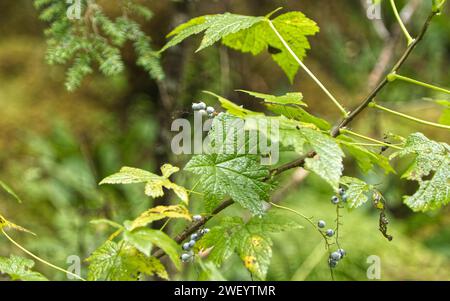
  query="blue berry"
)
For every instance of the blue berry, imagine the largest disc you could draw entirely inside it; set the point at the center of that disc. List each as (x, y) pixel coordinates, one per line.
(201, 106)
(341, 191)
(194, 236)
(321, 224)
(197, 218)
(332, 263)
(335, 256)
(344, 197)
(342, 252)
(191, 243)
(185, 257)
(330, 232)
(335, 200)
(186, 246)
(210, 110)
(204, 231)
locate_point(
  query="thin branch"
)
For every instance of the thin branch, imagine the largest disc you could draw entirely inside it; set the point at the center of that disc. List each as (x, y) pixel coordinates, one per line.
(418, 120)
(393, 76)
(346, 131)
(402, 25)
(384, 82)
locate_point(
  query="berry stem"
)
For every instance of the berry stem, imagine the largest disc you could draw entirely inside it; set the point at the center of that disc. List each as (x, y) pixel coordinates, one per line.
(40, 259)
(394, 76)
(415, 119)
(409, 39)
(346, 131)
(309, 72)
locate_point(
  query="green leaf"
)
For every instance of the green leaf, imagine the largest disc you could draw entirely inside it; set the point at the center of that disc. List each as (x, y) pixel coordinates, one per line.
(290, 105)
(251, 241)
(10, 191)
(144, 238)
(122, 262)
(358, 192)
(154, 183)
(430, 168)
(215, 26)
(365, 158)
(239, 176)
(251, 34)
(438, 5)
(302, 138)
(19, 268)
(294, 27)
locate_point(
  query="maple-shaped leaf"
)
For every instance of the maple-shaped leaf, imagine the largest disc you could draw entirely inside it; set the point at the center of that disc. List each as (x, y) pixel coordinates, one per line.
(430, 168)
(252, 35)
(19, 268)
(153, 183)
(251, 240)
(239, 176)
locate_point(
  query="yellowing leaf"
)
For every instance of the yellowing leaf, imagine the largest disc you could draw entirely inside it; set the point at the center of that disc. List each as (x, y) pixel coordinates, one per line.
(154, 183)
(158, 213)
(4, 223)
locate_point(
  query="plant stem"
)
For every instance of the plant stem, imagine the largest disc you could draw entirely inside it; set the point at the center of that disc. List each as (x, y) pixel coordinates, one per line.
(402, 25)
(377, 106)
(327, 243)
(310, 73)
(345, 131)
(394, 76)
(363, 105)
(40, 259)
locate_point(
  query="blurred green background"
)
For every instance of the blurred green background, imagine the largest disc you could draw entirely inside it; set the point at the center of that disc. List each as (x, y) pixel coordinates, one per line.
(56, 146)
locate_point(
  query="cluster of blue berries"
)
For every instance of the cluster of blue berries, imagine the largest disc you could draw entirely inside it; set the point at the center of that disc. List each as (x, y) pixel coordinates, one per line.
(335, 257)
(188, 246)
(342, 197)
(329, 232)
(203, 109)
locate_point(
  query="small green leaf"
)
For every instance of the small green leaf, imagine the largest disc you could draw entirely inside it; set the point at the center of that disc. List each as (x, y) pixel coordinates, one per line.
(144, 238)
(10, 191)
(19, 268)
(358, 192)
